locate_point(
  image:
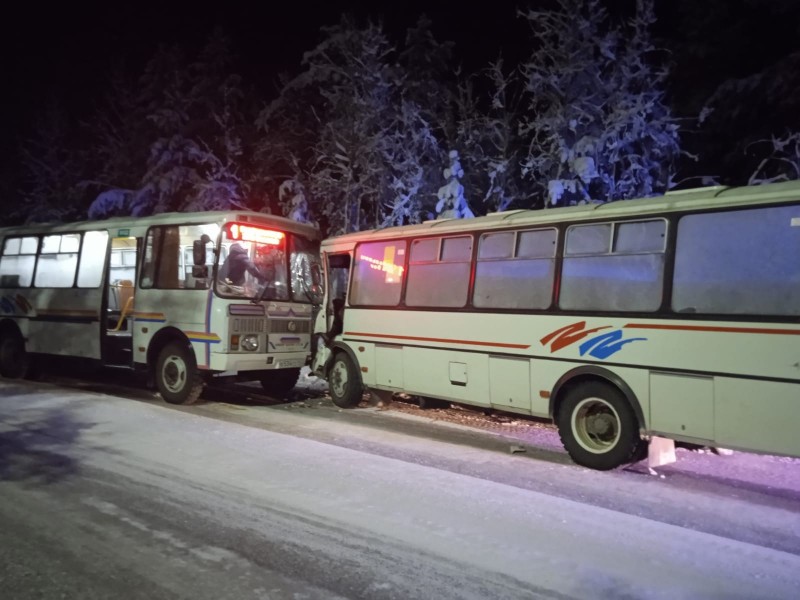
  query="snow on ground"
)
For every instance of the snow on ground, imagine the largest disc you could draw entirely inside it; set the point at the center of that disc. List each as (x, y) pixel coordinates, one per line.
(547, 545)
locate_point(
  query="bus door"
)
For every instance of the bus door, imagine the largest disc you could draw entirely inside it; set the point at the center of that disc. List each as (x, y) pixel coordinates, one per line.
(329, 323)
(120, 301)
(337, 278)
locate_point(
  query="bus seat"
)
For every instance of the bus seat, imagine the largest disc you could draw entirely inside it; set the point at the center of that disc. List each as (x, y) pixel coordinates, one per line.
(125, 296)
(124, 291)
(124, 314)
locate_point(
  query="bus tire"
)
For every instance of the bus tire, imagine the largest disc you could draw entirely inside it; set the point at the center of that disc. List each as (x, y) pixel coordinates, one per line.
(598, 427)
(344, 382)
(280, 382)
(14, 360)
(177, 377)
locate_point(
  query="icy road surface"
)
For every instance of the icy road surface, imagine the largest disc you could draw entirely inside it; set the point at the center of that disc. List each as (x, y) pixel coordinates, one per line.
(110, 497)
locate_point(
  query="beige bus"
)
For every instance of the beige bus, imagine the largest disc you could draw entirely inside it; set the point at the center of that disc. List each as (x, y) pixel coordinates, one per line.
(674, 317)
(144, 294)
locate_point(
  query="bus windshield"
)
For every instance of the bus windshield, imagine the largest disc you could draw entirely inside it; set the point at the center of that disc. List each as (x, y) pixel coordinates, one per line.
(265, 264)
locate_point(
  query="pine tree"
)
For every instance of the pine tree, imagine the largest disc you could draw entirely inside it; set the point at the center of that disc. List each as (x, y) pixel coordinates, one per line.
(120, 136)
(292, 197)
(363, 148)
(596, 125)
(193, 118)
(501, 143)
(452, 203)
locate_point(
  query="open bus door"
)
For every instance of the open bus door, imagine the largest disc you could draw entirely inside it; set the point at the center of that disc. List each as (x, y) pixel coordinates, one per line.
(329, 324)
(119, 303)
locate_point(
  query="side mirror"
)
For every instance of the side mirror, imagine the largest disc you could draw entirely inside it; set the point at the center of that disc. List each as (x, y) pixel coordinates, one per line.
(199, 250)
(199, 271)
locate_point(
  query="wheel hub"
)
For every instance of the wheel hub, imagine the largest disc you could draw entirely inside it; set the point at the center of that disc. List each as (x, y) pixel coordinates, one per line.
(600, 425)
(174, 374)
(338, 380)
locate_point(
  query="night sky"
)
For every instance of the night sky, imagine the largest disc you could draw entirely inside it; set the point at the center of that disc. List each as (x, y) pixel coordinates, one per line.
(67, 52)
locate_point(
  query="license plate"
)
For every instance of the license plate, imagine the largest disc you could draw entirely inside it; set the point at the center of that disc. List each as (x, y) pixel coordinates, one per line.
(290, 363)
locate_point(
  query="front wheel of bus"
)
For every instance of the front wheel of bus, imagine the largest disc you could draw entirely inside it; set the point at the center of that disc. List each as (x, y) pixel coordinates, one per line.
(177, 376)
(344, 382)
(598, 427)
(280, 382)
(14, 360)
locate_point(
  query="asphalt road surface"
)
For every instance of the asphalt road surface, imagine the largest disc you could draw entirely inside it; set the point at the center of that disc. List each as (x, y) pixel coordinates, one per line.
(107, 492)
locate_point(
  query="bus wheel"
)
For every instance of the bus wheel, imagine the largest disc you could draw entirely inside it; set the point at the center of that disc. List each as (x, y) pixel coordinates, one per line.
(177, 376)
(598, 427)
(344, 382)
(280, 382)
(14, 360)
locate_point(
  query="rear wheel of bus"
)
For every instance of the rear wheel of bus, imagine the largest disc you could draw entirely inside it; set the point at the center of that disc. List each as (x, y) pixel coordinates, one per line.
(14, 360)
(344, 382)
(177, 377)
(280, 382)
(598, 427)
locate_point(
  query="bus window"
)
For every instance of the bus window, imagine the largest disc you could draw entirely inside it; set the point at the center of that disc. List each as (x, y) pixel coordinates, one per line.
(304, 254)
(93, 255)
(440, 278)
(740, 262)
(625, 276)
(58, 261)
(168, 256)
(378, 273)
(254, 263)
(515, 270)
(18, 260)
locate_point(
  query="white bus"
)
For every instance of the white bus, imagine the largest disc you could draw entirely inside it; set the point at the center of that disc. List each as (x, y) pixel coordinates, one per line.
(675, 318)
(143, 293)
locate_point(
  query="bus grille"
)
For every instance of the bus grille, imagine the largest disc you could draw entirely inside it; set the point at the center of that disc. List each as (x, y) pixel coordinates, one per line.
(243, 325)
(283, 326)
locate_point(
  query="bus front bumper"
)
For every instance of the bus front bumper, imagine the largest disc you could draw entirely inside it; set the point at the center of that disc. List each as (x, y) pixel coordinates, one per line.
(239, 363)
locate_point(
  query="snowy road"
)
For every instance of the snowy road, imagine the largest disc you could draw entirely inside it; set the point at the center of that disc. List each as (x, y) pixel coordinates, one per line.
(103, 496)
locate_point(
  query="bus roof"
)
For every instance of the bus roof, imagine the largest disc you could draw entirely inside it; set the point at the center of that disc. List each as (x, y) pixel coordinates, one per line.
(677, 201)
(176, 218)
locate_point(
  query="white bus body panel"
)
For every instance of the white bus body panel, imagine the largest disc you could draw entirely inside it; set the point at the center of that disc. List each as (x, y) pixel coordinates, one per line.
(75, 313)
(693, 380)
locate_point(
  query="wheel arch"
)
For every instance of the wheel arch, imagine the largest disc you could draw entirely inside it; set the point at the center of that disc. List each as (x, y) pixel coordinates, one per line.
(10, 327)
(585, 373)
(342, 347)
(163, 337)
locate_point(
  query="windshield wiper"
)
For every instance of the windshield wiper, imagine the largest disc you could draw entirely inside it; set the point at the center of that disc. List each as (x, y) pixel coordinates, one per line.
(260, 296)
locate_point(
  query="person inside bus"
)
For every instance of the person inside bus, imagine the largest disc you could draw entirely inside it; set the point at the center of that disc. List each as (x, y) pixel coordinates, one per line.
(237, 264)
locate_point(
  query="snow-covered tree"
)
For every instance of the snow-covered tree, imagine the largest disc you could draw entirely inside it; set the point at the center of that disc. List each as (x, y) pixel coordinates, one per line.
(410, 153)
(192, 113)
(364, 147)
(596, 125)
(501, 144)
(744, 122)
(452, 203)
(466, 132)
(735, 63)
(428, 77)
(292, 197)
(780, 162)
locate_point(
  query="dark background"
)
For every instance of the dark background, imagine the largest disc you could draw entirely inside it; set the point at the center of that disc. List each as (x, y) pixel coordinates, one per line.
(67, 52)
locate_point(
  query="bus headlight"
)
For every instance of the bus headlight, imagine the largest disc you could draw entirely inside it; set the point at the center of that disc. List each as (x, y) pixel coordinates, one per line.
(249, 342)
